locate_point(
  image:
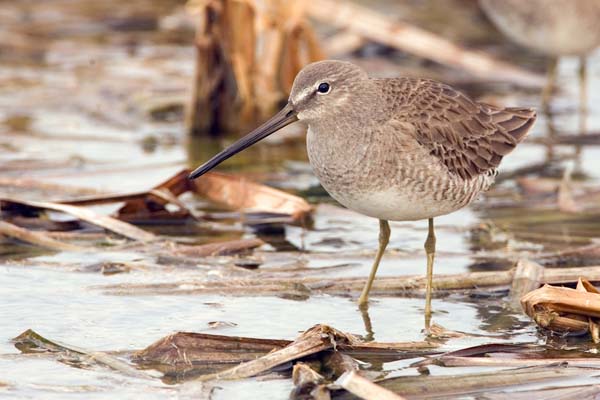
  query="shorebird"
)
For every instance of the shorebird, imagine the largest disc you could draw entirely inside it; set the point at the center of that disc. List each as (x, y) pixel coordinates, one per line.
(400, 149)
(552, 27)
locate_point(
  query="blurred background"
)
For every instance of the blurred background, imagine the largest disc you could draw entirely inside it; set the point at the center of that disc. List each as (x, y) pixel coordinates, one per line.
(108, 97)
(87, 85)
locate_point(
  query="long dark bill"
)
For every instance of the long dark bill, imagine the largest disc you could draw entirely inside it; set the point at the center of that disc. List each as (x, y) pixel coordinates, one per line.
(283, 118)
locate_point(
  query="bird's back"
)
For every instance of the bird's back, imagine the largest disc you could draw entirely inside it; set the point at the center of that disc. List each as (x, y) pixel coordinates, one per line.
(468, 137)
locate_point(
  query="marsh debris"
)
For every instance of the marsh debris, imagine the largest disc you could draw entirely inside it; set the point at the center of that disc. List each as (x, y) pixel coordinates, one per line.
(30, 341)
(564, 310)
(159, 204)
(445, 386)
(184, 355)
(270, 284)
(92, 98)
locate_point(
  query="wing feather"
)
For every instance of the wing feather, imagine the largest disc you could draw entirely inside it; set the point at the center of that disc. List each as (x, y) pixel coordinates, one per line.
(470, 138)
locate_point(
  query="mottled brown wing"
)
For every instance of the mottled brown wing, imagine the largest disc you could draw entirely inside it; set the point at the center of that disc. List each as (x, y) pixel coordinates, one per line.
(470, 138)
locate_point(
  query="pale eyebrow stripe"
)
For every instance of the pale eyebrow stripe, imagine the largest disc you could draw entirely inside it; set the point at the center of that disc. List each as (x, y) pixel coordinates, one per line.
(305, 93)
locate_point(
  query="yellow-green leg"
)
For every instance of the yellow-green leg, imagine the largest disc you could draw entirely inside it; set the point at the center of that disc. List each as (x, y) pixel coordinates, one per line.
(583, 109)
(430, 250)
(546, 99)
(384, 238)
(583, 96)
(364, 312)
(550, 84)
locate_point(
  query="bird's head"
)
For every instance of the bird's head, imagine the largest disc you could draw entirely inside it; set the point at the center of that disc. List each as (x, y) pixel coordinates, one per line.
(324, 88)
(320, 91)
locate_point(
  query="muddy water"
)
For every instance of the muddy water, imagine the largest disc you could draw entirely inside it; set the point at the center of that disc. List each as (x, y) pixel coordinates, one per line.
(78, 110)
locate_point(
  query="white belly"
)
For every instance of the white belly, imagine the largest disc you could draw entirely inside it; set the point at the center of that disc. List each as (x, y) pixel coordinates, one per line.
(394, 205)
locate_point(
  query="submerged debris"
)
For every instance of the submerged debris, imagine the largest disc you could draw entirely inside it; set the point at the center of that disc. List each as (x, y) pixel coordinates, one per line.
(308, 384)
(325, 361)
(30, 341)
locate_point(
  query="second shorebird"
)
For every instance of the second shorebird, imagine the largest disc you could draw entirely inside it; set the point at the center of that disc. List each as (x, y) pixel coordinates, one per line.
(555, 28)
(398, 149)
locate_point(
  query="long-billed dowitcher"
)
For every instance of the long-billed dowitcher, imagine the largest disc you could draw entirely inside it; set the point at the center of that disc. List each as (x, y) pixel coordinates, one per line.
(552, 27)
(398, 149)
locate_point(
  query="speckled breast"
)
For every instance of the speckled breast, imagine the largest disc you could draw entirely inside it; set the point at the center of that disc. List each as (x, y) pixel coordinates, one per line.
(388, 179)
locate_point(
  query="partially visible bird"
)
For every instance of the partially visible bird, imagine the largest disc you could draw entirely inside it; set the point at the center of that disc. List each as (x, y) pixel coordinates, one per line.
(555, 28)
(399, 149)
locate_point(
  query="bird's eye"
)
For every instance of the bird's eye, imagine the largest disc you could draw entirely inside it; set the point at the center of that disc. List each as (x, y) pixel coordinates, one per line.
(323, 88)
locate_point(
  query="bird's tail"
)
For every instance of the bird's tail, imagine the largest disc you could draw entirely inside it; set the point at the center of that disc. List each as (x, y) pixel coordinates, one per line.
(517, 121)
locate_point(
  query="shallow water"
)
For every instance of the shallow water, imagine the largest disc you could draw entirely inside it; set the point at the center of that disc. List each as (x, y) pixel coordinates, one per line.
(80, 118)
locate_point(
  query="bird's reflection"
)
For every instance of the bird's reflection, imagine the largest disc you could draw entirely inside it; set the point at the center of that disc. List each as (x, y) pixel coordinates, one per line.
(364, 313)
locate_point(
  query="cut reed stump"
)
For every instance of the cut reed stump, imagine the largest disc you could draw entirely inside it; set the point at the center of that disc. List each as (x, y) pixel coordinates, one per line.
(247, 55)
(528, 276)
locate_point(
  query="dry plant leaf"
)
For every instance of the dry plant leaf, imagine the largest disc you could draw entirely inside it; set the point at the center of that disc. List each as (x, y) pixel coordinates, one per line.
(316, 339)
(508, 355)
(229, 190)
(240, 193)
(528, 275)
(187, 348)
(565, 310)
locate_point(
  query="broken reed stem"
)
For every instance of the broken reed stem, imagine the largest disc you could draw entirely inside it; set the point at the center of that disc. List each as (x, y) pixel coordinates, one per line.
(528, 276)
(200, 109)
(36, 238)
(88, 215)
(314, 340)
(450, 361)
(383, 286)
(453, 385)
(364, 388)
